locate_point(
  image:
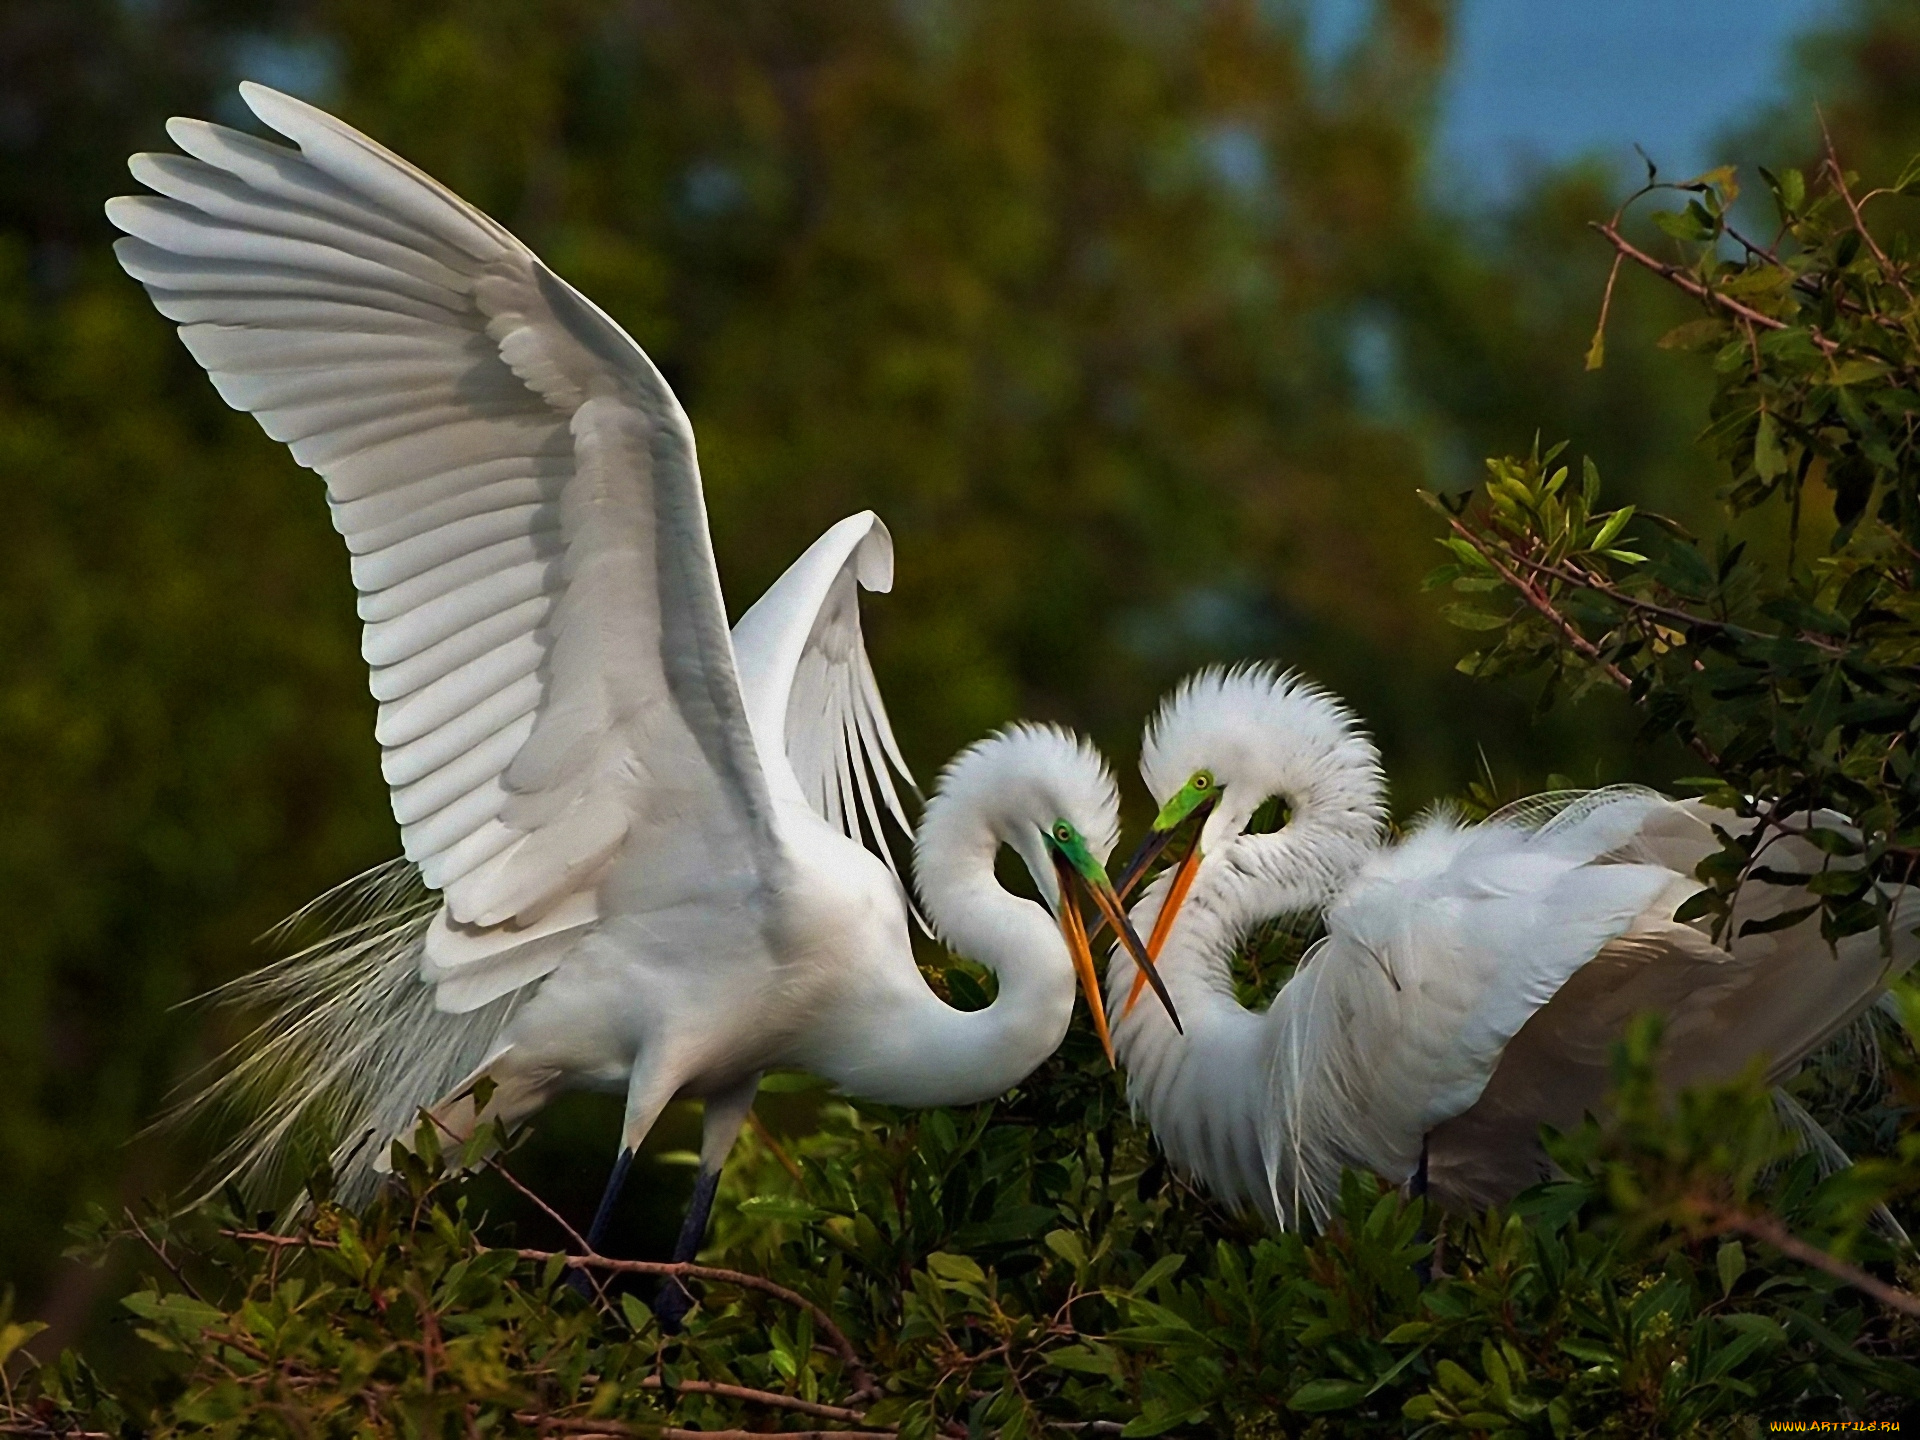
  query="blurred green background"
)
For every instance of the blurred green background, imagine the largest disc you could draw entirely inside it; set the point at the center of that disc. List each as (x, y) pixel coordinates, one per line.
(1139, 323)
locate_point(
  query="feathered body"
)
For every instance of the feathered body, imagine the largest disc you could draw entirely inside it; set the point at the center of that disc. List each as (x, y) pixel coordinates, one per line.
(1472, 978)
(648, 851)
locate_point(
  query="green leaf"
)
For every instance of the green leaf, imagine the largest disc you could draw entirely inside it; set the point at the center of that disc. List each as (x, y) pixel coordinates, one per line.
(1830, 841)
(1789, 191)
(780, 1208)
(1013, 1225)
(1318, 1396)
(790, 1082)
(1068, 1246)
(1589, 1354)
(955, 1269)
(1089, 1358)
(1609, 532)
(1467, 617)
(1689, 224)
(1162, 1269)
(1700, 334)
(181, 1314)
(1854, 372)
(16, 1334)
(1731, 1262)
(1769, 459)
(1697, 906)
(1785, 920)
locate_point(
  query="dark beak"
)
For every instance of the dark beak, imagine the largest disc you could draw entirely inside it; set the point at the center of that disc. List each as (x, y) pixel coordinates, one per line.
(1108, 903)
(1149, 850)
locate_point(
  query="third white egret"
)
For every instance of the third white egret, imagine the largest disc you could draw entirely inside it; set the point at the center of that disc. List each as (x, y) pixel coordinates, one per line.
(644, 832)
(1472, 978)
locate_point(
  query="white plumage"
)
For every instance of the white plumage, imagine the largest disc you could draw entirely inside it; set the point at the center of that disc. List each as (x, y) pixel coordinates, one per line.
(646, 834)
(1473, 977)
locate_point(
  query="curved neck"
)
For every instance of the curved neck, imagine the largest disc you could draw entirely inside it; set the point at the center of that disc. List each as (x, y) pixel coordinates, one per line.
(915, 1049)
(1205, 1093)
(1201, 1092)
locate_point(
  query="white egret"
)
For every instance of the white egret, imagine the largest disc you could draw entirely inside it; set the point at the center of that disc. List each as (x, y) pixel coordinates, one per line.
(1472, 978)
(644, 832)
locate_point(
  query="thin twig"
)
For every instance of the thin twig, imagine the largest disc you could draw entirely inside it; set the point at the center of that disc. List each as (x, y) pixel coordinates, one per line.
(613, 1429)
(1599, 345)
(1839, 175)
(1600, 585)
(1770, 1231)
(494, 1163)
(779, 1152)
(756, 1397)
(1678, 276)
(1540, 602)
(685, 1270)
(165, 1259)
(681, 1270)
(1543, 604)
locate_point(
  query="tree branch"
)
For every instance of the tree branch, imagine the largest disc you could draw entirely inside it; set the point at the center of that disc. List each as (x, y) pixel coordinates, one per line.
(758, 1397)
(1678, 276)
(685, 1270)
(618, 1430)
(1543, 605)
(837, 1341)
(1770, 1231)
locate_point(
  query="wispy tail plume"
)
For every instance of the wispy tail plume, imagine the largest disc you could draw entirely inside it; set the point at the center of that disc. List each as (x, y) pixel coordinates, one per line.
(350, 1047)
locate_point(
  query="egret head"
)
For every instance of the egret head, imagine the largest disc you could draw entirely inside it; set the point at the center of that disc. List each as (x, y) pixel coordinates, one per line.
(1229, 740)
(1046, 793)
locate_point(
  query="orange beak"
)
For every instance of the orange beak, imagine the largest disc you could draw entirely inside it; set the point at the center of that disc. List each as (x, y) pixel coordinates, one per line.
(1075, 933)
(1163, 922)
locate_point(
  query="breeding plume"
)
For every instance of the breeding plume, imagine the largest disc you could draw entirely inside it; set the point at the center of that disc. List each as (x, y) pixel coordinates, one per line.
(644, 833)
(1473, 977)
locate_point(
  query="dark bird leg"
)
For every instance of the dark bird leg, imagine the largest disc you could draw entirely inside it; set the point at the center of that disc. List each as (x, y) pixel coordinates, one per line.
(720, 1127)
(602, 1218)
(670, 1306)
(1417, 1189)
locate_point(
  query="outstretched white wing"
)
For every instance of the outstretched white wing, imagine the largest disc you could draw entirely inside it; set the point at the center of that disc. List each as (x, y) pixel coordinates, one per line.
(809, 687)
(518, 488)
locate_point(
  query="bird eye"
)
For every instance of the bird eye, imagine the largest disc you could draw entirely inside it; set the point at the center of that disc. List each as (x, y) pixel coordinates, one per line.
(1201, 780)
(1063, 832)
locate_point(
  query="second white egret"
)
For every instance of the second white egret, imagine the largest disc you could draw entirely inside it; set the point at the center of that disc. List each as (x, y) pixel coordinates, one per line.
(1473, 977)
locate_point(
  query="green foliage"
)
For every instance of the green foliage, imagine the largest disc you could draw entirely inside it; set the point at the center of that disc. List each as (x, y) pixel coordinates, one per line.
(1004, 1270)
(1789, 660)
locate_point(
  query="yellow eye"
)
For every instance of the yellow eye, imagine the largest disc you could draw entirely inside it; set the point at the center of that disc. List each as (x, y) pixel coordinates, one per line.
(1201, 780)
(1063, 832)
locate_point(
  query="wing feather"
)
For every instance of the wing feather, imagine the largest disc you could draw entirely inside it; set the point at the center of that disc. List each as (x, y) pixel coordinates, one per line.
(518, 491)
(810, 689)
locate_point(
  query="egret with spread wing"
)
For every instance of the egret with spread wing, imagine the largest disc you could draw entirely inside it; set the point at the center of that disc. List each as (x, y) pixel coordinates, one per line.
(1473, 977)
(644, 832)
